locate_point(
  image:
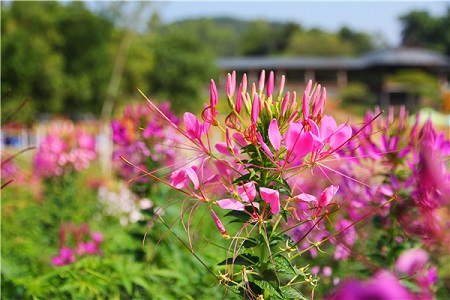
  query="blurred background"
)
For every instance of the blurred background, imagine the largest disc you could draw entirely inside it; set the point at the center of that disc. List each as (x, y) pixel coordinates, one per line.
(69, 72)
(84, 59)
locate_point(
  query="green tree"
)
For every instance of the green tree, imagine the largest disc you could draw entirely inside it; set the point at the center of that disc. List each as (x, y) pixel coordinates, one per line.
(316, 42)
(422, 29)
(57, 55)
(361, 42)
(182, 66)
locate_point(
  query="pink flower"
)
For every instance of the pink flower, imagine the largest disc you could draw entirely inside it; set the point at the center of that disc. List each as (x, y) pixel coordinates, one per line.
(231, 84)
(194, 128)
(327, 195)
(97, 237)
(298, 142)
(383, 286)
(231, 204)
(274, 134)
(247, 192)
(411, 261)
(270, 84)
(256, 107)
(179, 178)
(219, 225)
(272, 197)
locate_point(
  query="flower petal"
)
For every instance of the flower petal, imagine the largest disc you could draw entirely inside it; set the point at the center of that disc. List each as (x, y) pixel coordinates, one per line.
(274, 134)
(194, 128)
(231, 204)
(272, 197)
(178, 179)
(327, 195)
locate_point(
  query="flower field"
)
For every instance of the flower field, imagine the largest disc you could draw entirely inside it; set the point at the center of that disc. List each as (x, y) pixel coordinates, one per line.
(265, 195)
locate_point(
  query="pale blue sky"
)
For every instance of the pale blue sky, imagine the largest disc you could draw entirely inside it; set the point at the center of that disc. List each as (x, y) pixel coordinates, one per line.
(368, 16)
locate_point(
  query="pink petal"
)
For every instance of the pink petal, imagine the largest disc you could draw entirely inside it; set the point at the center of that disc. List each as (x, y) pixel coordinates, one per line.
(411, 261)
(239, 99)
(297, 142)
(255, 108)
(178, 179)
(313, 127)
(327, 127)
(304, 145)
(231, 204)
(262, 78)
(270, 84)
(231, 84)
(305, 105)
(305, 197)
(239, 137)
(274, 134)
(291, 136)
(263, 145)
(213, 95)
(340, 136)
(223, 167)
(194, 128)
(247, 192)
(222, 148)
(193, 176)
(272, 197)
(327, 195)
(219, 225)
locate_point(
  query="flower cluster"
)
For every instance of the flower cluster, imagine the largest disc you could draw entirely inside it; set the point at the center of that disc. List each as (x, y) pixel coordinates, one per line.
(407, 164)
(122, 203)
(144, 139)
(394, 180)
(63, 149)
(283, 168)
(269, 140)
(87, 243)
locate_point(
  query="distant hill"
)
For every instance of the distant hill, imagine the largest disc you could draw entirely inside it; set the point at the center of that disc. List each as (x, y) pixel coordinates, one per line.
(229, 36)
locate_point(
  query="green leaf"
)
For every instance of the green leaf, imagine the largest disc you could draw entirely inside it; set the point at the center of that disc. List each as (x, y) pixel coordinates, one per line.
(268, 287)
(239, 216)
(283, 265)
(249, 243)
(243, 259)
(291, 293)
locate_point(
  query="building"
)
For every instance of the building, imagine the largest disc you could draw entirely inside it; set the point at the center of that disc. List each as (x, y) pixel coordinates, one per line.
(372, 69)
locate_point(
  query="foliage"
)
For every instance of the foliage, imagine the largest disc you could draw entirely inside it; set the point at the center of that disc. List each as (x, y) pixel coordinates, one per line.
(44, 31)
(355, 92)
(418, 83)
(422, 29)
(233, 37)
(184, 63)
(278, 213)
(123, 270)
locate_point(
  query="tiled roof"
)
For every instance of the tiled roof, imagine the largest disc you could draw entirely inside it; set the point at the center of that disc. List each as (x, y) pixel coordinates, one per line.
(406, 56)
(390, 57)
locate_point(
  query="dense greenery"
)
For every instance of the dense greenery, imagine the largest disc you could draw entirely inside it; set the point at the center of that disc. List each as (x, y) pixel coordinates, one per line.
(30, 226)
(72, 60)
(422, 29)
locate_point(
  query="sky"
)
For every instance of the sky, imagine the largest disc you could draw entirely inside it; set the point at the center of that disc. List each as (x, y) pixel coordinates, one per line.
(374, 17)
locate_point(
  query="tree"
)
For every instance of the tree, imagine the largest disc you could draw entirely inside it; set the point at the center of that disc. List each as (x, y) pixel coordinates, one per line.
(361, 42)
(182, 66)
(419, 28)
(57, 55)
